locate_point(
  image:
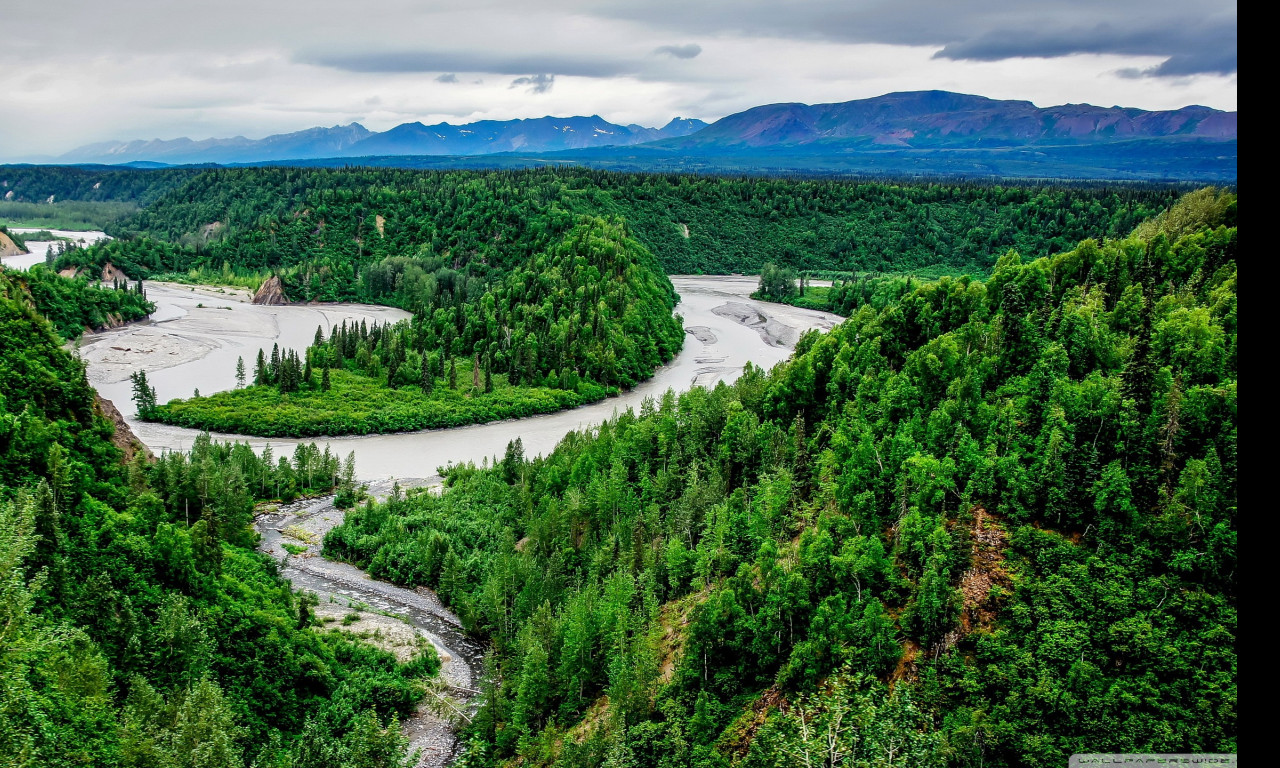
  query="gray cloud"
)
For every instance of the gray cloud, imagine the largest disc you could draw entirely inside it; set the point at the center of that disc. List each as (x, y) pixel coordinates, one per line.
(536, 83)
(689, 51)
(1190, 48)
(447, 77)
(386, 62)
(1195, 36)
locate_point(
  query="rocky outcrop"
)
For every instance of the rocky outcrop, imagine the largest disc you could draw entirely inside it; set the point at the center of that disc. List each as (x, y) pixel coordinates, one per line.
(113, 274)
(8, 247)
(123, 437)
(271, 293)
(69, 272)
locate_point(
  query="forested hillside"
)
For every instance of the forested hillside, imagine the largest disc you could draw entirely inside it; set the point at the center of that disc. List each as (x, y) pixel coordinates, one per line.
(984, 523)
(65, 197)
(77, 304)
(92, 184)
(548, 280)
(720, 225)
(138, 627)
(567, 328)
(693, 224)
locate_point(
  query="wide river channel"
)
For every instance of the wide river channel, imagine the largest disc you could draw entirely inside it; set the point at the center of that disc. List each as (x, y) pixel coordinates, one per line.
(196, 334)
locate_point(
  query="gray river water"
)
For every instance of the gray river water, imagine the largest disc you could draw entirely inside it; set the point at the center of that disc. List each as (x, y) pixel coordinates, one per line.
(196, 335)
(37, 249)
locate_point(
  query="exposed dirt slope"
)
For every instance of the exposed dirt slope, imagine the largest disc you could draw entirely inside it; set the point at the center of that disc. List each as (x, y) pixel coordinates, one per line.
(8, 247)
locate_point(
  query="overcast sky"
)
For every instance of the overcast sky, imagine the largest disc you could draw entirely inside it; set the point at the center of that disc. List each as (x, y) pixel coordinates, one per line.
(79, 71)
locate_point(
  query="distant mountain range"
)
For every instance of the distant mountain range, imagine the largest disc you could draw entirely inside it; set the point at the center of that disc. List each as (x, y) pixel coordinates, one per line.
(543, 134)
(941, 118)
(917, 133)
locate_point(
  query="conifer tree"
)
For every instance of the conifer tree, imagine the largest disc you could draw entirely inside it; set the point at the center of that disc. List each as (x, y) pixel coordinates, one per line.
(273, 372)
(144, 395)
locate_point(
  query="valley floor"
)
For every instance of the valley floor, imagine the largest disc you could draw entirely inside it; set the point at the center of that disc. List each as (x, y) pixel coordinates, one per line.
(187, 346)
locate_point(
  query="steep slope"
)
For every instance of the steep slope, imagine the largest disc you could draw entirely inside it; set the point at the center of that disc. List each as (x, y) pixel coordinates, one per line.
(140, 626)
(978, 524)
(10, 245)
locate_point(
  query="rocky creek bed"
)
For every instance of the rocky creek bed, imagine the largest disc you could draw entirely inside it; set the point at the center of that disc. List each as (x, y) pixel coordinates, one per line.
(394, 618)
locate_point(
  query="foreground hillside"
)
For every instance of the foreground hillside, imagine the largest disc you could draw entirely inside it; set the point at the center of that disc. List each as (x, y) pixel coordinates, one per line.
(987, 523)
(138, 626)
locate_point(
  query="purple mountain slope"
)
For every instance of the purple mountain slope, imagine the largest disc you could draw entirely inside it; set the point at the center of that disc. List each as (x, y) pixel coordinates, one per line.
(941, 118)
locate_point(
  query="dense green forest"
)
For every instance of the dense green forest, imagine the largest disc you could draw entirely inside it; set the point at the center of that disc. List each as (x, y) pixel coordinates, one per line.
(980, 523)
(138, 626)
(76, 304)
(717, 225)
(269, 218)
(78, 198)
(851, 290)
(90, 184)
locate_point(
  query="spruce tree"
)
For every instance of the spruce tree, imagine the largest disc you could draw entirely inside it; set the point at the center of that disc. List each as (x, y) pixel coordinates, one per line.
(240, 372)
(144, 395)
(273, 372)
